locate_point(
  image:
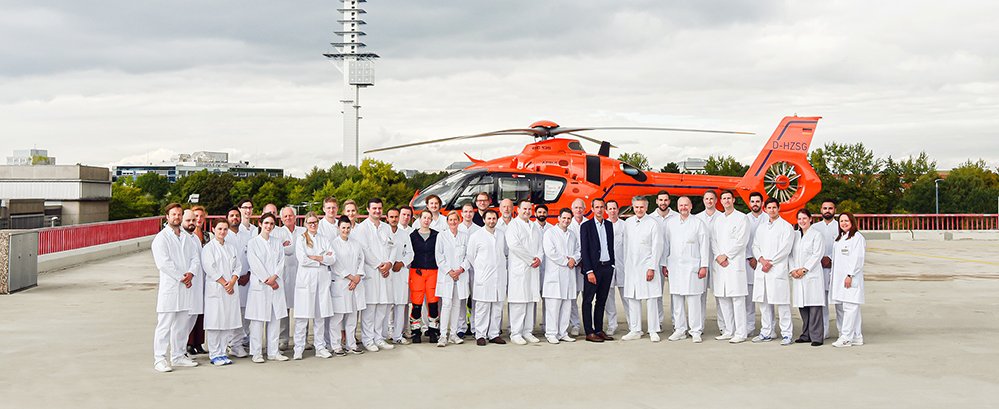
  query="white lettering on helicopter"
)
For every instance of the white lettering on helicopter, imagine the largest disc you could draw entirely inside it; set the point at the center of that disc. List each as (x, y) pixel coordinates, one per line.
(790, 146)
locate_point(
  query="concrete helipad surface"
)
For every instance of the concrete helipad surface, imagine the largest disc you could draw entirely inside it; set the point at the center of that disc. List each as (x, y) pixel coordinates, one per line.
(83, 338)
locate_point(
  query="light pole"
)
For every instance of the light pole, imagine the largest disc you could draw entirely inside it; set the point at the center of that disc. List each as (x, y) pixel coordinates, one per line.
(936, 187)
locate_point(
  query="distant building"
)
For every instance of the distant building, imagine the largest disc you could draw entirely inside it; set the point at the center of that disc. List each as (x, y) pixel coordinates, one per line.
(456, 166)
(692, 165)
(29, 157)
(185, 164)
(74, 193)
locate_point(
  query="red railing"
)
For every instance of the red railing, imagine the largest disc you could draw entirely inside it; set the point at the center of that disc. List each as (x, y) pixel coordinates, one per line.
(928, 221)
(56, 239)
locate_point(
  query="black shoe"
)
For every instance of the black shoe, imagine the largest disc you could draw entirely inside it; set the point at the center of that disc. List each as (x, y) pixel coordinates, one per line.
(416, 337)
(461, 334)
(434, 335)
(200, 349)
(816, 343)
(191, 351)
(802, 341)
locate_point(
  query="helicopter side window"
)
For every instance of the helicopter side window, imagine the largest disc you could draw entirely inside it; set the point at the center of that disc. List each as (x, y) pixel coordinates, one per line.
(515, 187)
(482, 183)
(547, 189)
(634, 172)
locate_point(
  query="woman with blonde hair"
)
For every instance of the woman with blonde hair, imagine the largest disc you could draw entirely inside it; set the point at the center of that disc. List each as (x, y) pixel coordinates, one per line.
(313, 299)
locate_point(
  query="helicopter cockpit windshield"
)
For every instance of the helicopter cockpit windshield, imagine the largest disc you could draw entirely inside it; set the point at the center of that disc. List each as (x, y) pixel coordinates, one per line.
(462, 187)
(446, 188)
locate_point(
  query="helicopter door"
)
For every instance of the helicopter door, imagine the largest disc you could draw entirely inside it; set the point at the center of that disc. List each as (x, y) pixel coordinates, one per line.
(514, 187)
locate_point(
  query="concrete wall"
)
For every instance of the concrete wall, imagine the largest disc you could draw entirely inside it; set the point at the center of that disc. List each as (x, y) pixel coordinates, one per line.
(79, 212)
(64, 259)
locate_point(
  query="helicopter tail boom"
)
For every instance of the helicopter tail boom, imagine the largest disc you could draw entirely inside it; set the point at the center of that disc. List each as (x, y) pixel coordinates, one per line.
(781, 170)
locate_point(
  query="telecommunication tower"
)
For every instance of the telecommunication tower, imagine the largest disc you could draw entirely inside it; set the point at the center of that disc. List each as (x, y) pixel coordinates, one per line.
(358, 71)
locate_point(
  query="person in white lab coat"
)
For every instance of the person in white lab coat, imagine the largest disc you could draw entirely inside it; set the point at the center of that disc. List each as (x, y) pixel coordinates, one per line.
(561, 248)
(523, 239)
(643, 247)
(266, 303)
(687, 270)
(240, 238)
(847, 291)
(223, 324)
(192, 251)
(349, 295)
(663, 213)
(486, 253)
(829, 228)
(807, 281)
(578, 208)
(771, 280)
(729, 234)
(506, 207)
(614, 216)
(452, 279)
(438, 222)
(541, 217)
(247, 231)
(402, 256)
(288, 234)
(378, 242)
(755, 216)
(469, 227)
(708, 216)
(328, 224)
(174, 294)
(313, 293)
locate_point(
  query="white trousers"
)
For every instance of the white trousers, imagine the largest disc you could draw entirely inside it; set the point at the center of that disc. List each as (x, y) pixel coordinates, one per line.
(687, 313)
(451, 314)
(169, 334)
(246, 326)
(397, 314)
(850, 328)
(374, 321)
(557, 317)
(574, 312)
(257, 336)
(733, 312)
(635, 315)
(723, 326)
(750, 312)
(218, 339)
(318, 333)
(522, 318)
(189, 322)
(488, 316)
(611, 309)
(767, 319)
(467, 316)
(825, 317)
(348, 323)
(285, 329)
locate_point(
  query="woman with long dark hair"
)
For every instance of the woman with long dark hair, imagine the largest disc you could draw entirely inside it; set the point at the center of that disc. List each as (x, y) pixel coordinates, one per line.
(847, 291)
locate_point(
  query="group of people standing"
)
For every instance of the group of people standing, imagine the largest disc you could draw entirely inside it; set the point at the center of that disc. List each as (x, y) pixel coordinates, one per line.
(250, 287)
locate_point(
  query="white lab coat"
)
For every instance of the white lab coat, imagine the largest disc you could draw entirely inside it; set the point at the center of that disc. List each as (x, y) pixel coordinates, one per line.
(399, 280)
(754, 223)
(440, 223)
(486, 253)
(688, 252)
(574, 226)
(808, 291)
(560, 280)
(829, 232)
(619, 260)
(848, 259)
(241, 238)
(349, 260)
(328, 230)
(266, 258)
(173, 264)
(378, 243)
(643, 247)
(290, 259)
(313, 283)
(523, 240)
(774, 240)
(729, 234)
(450, 255)
(192, 252)
(221, 309)
(662, 220)
(469, 229)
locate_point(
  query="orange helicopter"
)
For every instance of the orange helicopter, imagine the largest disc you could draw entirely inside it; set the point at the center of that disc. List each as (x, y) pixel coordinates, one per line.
(555, 171)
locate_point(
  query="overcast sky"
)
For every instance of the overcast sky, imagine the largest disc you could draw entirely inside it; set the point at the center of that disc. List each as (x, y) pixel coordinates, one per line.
(104, 82)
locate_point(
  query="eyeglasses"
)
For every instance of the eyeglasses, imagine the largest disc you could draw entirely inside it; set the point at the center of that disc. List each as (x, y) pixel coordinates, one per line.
(246, 207)
(311, 222)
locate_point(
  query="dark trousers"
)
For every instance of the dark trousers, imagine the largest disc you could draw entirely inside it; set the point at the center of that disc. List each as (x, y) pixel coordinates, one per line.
(811, 320)
(593, 315)
(197, 335)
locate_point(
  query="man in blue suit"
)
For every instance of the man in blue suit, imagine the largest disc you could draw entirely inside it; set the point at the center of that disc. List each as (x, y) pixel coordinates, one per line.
(597, 253)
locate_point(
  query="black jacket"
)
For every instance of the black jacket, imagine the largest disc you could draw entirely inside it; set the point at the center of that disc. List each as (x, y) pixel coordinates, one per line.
(590, 244)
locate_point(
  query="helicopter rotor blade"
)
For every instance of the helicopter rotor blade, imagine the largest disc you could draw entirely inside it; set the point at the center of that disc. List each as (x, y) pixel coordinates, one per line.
(645, 128)
(594, 140)
(525, 131)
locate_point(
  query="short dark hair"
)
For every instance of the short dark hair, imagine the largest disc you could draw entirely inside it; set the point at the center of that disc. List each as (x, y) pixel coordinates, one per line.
(410, 208)
(233, 209)
(490, 211)
(427, 200)
(540, 206)
(727, 192)
(564, 210)
(172, 206)
(374, 200)
(613, 201)
(392, 209)
(342, 220)
(244, 201)
(662, 192)
(523, 201)
(265, 216)
(756, 194)
(829, 200)
(771, 200)
(711, 191)
(220, 221)
(597, 199)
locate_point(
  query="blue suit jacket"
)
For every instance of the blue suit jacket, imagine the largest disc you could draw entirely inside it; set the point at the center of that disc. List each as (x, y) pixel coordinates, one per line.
(590, 244)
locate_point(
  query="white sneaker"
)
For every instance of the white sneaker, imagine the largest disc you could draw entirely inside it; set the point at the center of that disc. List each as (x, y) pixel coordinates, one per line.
(239, 352)
(842, 343)
(184, 361)
(786, 340)
(611, 331)
(258, 359)
(574, 331)
(678, 335)
(384, 345)
(456, 340)
(552, 340)
(723, 337)
(532, 339)
(162, 366)
(857, 341)
(401, 341)
(371, 348)
(517, 339)
(441, 342)
(697, 339)
(278, 357)
(760, 338)
(654, 336)
(737, 340)
(323, 353)
(567, 339)
(631, 336)
(297, 356)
